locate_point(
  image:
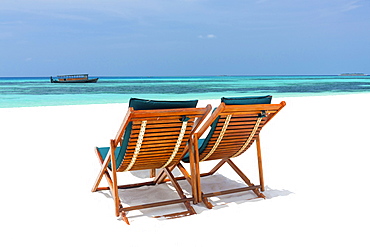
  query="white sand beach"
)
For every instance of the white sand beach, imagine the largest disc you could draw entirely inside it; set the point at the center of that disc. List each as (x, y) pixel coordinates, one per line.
(316, 165)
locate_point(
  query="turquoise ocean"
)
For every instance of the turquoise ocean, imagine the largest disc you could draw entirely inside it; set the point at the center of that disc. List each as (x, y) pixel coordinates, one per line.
(38, 91)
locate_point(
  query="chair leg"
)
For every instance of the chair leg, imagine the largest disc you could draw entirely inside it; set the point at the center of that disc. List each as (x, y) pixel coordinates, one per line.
(207, 203)
(201, 195)
(161, 175)
(112, 182)
(194, 169)
(185, 173)
(98, 180)
(260, 170)
(189, 179)
(179, 190)
(152, 173)
(102, 171)
(245, 178)
(124, 217)
(117, 202)
(218, 166)
(197, 174)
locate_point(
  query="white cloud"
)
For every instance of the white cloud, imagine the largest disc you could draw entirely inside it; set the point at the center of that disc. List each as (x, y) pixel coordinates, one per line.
(340, 7)
(350, 6)
(208, 36)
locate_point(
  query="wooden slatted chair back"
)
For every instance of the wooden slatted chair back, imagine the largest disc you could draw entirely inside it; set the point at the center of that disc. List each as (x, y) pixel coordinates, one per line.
(158, 138)
(237, 128)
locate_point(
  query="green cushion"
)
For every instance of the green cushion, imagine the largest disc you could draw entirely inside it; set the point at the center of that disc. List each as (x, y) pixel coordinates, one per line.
(186, 158)
(229, 101)
(126, 137)
(247, 100)
(144, 104)
(104, 152)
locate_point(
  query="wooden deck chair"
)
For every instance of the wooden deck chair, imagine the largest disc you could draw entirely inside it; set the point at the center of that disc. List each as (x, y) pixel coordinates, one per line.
(153, 134)
(234, 125)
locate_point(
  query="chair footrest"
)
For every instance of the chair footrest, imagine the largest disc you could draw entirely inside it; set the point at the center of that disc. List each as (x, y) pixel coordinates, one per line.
(231, 191)
(176, 215)
(156, 204)
(128, 186)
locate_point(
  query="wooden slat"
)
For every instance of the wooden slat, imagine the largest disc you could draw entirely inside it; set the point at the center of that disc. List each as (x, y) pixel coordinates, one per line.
(163, 121)
(241, 130)
(157, 134)
(155, 152)
(231, 140)
(129, 186)
(153, 117)
(234, 121)
(133, 139)
(235, 135)
(151, 145)
(157, 157)
(226, 146)
(160, 131)
(229, 146)
(167, 113)
(162, 125)
(152, 163)
(240, 118)
(154, 142)
(241, 114)
(241, 123)
(156, 204)
(225, 192)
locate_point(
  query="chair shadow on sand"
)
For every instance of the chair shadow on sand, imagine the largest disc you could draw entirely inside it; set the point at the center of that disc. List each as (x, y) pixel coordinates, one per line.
(217, 182)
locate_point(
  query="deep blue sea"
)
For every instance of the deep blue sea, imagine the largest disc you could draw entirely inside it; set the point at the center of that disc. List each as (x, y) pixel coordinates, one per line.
(38, 91)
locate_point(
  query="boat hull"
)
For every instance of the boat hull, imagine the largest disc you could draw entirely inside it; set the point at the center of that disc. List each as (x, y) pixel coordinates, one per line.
(75, 81)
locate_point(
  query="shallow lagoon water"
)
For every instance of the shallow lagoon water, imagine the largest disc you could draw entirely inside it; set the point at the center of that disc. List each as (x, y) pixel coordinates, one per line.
(38, 91)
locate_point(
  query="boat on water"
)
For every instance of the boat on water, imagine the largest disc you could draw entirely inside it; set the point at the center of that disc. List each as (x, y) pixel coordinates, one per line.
(77, 78)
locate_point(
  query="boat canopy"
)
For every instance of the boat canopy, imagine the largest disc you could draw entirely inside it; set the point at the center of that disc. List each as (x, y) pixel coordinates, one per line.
(76, 76)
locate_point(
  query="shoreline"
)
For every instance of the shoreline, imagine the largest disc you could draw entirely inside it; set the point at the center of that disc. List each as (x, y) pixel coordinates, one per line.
(280, 96)
(315, 165)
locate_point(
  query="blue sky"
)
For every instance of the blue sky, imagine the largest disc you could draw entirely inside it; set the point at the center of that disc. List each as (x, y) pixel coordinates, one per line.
(184, 37)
